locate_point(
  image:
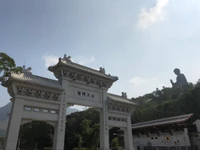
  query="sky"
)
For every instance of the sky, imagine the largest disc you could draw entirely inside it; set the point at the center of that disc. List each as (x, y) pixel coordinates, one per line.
(140, 41)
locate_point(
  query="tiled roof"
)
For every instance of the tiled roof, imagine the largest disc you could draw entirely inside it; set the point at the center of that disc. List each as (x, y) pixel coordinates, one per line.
(32, 79)
(164, 121)
(82, 68)
(120, 99)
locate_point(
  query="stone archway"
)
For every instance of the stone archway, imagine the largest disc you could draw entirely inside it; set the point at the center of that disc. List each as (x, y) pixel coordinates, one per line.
(39, 98)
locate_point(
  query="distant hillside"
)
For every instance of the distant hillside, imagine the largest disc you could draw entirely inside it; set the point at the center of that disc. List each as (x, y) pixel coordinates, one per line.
(2, 133)
(168, 102)
(4, 111)
(4, 124)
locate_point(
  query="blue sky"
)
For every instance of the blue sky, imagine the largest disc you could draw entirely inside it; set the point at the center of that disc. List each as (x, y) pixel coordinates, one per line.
(141, 41)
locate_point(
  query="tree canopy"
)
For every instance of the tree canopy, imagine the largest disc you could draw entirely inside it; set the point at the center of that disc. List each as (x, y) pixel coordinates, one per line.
(82, 129)
(7, 65)
(36, 134)
(167, 103)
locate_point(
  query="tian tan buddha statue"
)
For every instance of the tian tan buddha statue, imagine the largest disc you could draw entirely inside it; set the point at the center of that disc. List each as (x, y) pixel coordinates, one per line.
(181, 80)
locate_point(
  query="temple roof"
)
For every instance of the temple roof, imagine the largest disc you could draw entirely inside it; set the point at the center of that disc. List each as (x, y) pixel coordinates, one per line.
(120, 99)
(32, 79)
(164, 121)
(81, 68)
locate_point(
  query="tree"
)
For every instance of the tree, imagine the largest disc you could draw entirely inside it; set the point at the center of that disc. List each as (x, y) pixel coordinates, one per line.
(7, 65)
(115, 144)
(79, 139)
(198, 83)
(36, 134)
(78, 128)
(90, 133)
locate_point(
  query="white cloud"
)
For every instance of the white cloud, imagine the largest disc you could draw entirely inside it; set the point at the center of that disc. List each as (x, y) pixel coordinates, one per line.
(136, 81)
(152, 15)
(140, 86)
(50, 60)
(78, 107)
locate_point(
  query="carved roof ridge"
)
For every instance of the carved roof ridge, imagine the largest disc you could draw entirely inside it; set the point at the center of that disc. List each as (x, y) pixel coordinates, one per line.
(118, 96)
(33, 79)
(84, 68)
(52, 80)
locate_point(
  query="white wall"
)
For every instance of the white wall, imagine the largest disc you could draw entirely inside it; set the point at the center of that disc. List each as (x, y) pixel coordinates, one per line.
(180, 136)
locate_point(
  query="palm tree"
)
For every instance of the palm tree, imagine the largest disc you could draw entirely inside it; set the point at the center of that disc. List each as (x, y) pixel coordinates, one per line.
(7, 65)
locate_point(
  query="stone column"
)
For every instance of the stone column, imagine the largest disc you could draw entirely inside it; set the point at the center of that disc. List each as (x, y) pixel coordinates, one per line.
(128, 137)
(59, 131)
(104, 128)
(186, 138)
(14, 124)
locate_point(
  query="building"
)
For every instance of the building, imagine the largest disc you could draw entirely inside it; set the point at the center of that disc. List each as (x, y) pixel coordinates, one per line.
(174, 133)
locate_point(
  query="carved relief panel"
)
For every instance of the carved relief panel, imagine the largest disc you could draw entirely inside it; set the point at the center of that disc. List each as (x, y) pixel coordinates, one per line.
(37, 93)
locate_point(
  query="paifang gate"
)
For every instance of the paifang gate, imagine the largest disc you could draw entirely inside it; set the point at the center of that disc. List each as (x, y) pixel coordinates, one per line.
(39, 98)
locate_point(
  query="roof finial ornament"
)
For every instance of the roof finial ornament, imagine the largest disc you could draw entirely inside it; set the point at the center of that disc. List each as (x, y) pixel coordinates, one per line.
(26, 71)
(102, 70)
(124, 95)
(67, 58)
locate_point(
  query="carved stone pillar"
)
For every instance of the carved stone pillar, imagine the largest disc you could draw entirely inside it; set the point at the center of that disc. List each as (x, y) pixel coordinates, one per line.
(128, 138)
(104, 128)
(59, 132)
(14, 124)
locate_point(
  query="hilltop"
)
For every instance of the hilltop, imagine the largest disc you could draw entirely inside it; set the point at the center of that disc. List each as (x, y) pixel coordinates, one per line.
(168, 102)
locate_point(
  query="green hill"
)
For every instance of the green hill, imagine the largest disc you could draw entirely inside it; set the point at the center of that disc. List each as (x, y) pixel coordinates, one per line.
(168, 102)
